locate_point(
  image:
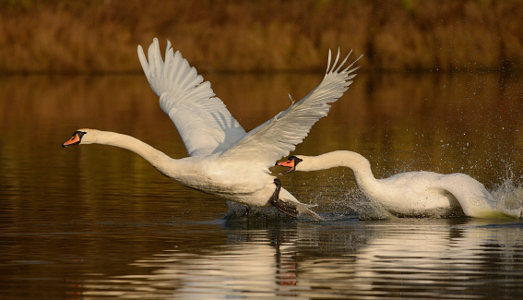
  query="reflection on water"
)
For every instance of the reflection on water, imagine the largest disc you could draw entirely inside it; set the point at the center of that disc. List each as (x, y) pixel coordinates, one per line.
(96, 221)
(409, 259)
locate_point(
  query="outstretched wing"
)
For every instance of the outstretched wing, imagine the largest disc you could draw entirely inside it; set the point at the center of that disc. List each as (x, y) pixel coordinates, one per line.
(203, 121)
(279, 135)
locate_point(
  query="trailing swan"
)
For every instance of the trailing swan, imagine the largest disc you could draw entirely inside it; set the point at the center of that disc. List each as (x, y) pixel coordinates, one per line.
(406, 194)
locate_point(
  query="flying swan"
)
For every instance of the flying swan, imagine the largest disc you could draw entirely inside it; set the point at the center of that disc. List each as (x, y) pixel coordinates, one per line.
(224, 160)
(406, 194)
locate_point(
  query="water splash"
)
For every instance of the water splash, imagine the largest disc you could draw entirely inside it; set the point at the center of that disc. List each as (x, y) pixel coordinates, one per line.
(509, 195)
(349, 199)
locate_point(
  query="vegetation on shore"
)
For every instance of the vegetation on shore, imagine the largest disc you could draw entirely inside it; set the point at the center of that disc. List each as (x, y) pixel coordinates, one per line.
(397, 35)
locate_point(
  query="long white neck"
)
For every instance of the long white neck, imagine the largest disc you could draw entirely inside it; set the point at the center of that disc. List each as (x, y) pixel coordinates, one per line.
(341, 158)
(156, 158)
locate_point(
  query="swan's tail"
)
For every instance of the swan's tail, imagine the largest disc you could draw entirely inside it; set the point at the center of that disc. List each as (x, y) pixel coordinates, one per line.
(303, 209)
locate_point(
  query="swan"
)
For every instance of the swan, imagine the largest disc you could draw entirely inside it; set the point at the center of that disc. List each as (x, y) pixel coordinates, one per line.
(406, 194)
(224, 160)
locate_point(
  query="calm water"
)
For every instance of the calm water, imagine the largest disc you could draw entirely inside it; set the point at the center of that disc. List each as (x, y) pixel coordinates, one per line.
(99, 222)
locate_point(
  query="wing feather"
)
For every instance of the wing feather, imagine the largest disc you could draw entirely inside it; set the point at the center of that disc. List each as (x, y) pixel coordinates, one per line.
(278, 136)
(203, 121)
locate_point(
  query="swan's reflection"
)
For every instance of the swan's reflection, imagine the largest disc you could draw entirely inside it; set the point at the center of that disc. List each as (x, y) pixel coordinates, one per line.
(411, 258)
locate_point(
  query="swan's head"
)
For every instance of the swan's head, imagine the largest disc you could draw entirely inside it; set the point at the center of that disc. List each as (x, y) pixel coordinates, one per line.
(81, 136)
(290, 163)
(338, 158)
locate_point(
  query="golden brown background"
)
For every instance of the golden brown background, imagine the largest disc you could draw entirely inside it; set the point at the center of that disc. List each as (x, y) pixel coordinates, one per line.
(414, 35)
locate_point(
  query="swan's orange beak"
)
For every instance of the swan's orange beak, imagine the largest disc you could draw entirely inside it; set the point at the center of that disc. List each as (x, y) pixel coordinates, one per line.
(74, 140)
(289, 164)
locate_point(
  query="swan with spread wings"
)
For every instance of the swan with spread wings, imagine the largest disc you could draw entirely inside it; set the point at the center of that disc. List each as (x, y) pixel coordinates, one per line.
(224, 160)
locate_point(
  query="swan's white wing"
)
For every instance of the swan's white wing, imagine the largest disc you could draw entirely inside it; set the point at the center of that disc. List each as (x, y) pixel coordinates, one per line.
(278, 136)
(473, 197)
(203, 121)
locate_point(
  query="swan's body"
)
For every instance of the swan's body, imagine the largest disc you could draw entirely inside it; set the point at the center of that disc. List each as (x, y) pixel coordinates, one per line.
(220, 177)
(224, 160)
(407, 194)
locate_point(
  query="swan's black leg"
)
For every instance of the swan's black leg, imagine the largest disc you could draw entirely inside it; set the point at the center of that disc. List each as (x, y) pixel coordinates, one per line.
(284, 207)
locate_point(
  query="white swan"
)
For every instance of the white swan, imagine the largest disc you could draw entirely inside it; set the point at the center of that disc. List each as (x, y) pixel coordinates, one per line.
(225, 161)
(406, 194)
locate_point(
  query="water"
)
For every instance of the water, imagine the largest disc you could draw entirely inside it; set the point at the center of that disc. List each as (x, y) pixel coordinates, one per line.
(99, 222)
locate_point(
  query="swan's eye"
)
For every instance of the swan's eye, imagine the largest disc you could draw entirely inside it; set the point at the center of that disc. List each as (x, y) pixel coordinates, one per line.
(297, 160)
(75, 139)
(80, 134)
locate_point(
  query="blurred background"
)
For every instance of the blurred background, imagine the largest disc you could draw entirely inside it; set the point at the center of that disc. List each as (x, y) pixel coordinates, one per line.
(397, 35)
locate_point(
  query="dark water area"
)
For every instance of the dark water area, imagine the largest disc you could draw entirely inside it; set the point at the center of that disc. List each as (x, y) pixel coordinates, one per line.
(100, 222)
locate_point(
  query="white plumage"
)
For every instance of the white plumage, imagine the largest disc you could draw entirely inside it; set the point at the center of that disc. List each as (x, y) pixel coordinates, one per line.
(223, 159)
(407, 194)
(203, 121)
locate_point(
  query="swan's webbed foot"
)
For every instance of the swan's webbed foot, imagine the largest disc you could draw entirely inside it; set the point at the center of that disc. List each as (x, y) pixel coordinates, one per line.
(285, 207)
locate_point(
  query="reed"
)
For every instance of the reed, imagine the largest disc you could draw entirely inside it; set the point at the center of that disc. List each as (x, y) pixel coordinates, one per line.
(406, 35)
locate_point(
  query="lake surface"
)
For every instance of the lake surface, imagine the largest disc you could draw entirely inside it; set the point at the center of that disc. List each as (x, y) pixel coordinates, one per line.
(99, 222)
